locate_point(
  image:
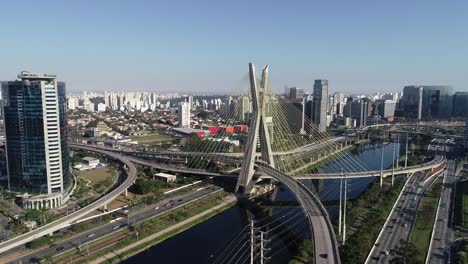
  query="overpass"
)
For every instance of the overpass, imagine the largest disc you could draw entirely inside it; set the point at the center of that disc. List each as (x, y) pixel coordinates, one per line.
(322, 232)
(71, 218)
(307, 148)
(437, 162)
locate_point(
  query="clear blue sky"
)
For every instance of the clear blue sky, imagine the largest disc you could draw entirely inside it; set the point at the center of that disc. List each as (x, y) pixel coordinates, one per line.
(205, 46)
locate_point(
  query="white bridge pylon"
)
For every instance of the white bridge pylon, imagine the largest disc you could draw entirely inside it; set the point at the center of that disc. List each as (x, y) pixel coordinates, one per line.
(258, 130)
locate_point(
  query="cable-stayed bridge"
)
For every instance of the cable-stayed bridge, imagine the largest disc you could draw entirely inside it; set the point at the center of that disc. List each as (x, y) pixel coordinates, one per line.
(273, 149)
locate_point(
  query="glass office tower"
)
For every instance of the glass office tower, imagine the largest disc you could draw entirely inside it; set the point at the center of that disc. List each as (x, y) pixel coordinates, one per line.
(36, 139)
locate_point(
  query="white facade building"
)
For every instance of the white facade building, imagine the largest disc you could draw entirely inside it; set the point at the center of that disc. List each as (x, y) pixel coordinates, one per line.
(184, 115)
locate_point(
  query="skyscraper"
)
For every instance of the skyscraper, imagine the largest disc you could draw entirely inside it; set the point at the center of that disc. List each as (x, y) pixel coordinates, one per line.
(460, 104)
(35, 115)
(319, 112)
(411, 102)
(184, 114)
(437, 101)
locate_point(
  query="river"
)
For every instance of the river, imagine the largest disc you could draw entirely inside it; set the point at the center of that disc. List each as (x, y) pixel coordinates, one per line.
(218, 238)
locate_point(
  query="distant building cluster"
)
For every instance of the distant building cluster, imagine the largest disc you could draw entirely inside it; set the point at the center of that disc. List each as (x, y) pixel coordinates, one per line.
(420, 102)
(318, 110)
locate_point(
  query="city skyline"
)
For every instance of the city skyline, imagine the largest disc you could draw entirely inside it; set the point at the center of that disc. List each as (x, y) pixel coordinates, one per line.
(204, 47)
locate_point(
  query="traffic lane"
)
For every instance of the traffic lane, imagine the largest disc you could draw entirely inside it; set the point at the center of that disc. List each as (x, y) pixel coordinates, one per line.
(391, 237)
(402, 223)
(107, 228)
(442, 234)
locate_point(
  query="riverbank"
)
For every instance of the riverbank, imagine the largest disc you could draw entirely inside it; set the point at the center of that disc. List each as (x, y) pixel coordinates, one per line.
(152, 240)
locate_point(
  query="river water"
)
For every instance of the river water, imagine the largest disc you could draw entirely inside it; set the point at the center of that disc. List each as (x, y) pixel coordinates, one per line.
(218, 239)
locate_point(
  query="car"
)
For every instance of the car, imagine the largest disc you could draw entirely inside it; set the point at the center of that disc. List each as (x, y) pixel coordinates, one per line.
(173, 204)
(167, 204)
(125, 211)
(115, 227)
(91, 235)
(386, 253)
(59, 248)
(35, 260)
(156, 208)
(180, 200)
(405, 225)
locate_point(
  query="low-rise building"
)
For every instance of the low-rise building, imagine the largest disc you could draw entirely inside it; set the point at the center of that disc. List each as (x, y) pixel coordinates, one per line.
(30, 224)
(165, 177)
(88, 163)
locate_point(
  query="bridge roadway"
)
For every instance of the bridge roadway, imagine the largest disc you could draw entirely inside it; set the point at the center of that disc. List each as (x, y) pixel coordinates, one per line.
(322, 233)
(69, 219)
(306, 148)
(438, 161)
(173, 168)
(423, 124)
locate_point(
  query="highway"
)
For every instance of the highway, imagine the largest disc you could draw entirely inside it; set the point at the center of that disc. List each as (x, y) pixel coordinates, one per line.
(67, 220)
(401, 220)
(83, 238)
(442, 237)
(436, 162)
(310, 147)
(322, 232)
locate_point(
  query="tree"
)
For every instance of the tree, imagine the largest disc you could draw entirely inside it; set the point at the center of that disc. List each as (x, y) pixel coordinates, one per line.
(203, 114)
(406, 253)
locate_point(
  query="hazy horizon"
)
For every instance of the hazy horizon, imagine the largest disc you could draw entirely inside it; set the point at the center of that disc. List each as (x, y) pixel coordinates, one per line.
(205, 47)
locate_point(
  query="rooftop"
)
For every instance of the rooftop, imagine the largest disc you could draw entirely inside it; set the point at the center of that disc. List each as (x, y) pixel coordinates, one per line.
(89, 159)
(29, 75)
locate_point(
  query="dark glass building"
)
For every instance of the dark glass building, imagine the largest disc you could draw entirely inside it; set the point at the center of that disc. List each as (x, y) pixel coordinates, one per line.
(460, 104)
(437, 101)
(35, 116)
(412, 101)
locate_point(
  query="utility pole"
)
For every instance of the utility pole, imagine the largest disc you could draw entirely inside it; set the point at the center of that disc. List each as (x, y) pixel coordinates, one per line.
(381, 161)
(341, 197)
(406, 150)
(252, 241)
(393, 164)
(344, 210)
(398, 153)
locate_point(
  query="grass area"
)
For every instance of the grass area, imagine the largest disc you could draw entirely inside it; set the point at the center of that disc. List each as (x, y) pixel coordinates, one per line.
(152, 226)
(376, 202)
(461, 204)
(100, 178)
(421, 236)
(152, 138)
(461, 257)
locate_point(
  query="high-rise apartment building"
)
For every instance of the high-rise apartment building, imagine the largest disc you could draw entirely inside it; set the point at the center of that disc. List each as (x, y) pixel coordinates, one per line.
(184, 114)
(386, 108)
(296, 93)
(319, 111)
(35, 115)
(357, 110)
